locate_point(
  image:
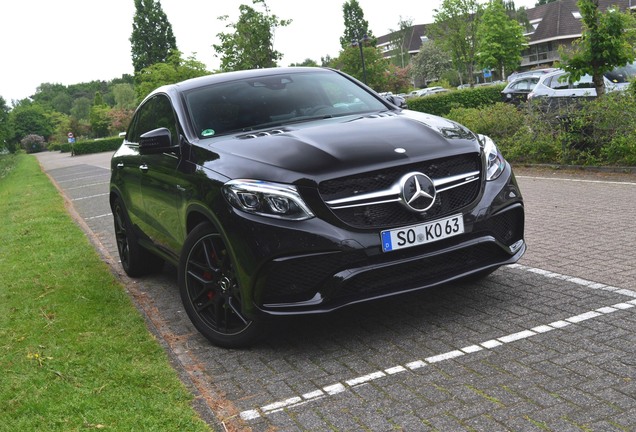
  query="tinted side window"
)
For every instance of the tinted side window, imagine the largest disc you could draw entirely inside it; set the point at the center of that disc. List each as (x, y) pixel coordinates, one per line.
(584, 82)
(155, 113)
(559, 82)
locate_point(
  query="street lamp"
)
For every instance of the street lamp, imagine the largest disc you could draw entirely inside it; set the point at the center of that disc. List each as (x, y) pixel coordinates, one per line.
(358, 42)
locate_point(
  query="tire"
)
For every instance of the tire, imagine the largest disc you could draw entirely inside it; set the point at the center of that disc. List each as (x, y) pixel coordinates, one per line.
(210, 291)
(135, 259)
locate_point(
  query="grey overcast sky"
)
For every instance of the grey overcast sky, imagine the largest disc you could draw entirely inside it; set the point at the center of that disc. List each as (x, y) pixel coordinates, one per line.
(73, 41)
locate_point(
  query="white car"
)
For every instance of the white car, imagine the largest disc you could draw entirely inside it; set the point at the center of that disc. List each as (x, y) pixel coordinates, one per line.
(425, 91)
(557, 84)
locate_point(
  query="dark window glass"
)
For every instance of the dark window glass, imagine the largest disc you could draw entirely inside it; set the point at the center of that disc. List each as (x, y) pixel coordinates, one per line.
(155, 113)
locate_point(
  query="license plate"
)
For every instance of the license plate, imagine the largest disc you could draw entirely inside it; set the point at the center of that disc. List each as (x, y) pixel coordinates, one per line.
(416, 235)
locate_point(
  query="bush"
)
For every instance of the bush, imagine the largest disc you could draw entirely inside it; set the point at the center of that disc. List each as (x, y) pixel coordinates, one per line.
(33, 143)
(498, 121)
(97, 146)
(441, 104)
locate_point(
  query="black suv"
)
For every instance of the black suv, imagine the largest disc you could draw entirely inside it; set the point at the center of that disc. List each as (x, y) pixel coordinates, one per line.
(300, 190)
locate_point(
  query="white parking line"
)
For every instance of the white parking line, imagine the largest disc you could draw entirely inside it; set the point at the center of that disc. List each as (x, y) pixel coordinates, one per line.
(89, 197)
(82, 178)
(87, 185)
(577, 180)
(99, 216)
(489, 344)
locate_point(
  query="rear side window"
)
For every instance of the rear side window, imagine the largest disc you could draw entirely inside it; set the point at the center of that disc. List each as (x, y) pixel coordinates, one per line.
(559, 82)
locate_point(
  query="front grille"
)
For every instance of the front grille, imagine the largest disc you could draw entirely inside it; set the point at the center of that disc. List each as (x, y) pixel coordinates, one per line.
(379, 215)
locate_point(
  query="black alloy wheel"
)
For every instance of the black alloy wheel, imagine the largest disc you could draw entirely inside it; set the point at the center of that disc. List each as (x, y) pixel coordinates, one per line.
(210, 290)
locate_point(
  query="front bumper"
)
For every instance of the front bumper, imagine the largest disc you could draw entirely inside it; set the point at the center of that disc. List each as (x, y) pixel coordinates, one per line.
(314, 267)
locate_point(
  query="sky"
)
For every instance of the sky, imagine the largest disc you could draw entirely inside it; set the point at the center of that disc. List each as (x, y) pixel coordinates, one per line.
(73, 41)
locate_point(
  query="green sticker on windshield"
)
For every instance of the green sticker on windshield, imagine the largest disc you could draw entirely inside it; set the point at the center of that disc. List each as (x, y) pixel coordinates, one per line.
(208, 132)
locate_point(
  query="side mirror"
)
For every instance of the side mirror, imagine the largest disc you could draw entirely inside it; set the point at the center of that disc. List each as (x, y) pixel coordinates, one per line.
(398, 101)
(156, 141)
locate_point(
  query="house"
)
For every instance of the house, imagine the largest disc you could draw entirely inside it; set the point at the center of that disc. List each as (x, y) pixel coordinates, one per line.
(551, 26)
(555, 25)
(415, 36)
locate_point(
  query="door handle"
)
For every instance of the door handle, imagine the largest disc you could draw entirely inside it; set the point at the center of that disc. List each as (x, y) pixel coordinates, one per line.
(143, 168)
(120, 165)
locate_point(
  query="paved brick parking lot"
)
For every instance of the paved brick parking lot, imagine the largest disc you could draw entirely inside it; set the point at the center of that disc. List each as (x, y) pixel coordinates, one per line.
(548, 344)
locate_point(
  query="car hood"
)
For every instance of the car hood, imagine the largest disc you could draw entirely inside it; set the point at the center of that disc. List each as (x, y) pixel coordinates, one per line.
(338, 146)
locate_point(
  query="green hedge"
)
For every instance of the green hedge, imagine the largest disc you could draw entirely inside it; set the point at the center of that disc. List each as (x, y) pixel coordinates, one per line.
(441, 104)
(95, 146)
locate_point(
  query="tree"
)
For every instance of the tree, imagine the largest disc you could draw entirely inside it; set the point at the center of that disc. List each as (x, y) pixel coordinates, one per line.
(174, 70)
(251, 43)
(399, 44)
(542, 2)
(349, 61)
(455, 28)
(33, 143)
(5, 131)
(430, 62)
(604, 44)
(152, 38)
(397, 79)
(30, 119)
(81, 108)
(356, 27)
(501, 40)
(124, 95)
(306, 62)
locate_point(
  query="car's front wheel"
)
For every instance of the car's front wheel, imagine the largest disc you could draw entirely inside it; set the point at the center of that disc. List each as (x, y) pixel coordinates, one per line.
(210, 290)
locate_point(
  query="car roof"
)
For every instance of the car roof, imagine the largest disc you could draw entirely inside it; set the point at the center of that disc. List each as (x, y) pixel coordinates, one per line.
(236, 75)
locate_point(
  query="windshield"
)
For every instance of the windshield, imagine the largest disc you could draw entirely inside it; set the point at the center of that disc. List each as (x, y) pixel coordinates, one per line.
(623, 74)
(275, 100)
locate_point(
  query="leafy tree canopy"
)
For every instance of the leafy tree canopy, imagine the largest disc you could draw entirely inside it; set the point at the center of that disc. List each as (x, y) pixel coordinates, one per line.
(174, 70)
(5, 131)
(604, 44)
(250, 45)
(356, 27)
(30, 119)
(152, 39)
(397, 79)
(306, 62)
(501, 40)
(349, 61)
(430, 62)
(455, 28)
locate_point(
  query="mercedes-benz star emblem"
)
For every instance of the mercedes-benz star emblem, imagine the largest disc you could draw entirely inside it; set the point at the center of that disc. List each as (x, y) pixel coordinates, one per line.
(418, 192)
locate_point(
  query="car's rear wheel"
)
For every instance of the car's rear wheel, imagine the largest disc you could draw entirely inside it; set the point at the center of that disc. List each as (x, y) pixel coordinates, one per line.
(210, 291)
(135, 260)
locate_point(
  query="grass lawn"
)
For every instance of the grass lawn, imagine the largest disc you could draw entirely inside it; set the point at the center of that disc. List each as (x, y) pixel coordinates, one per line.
(75, 354)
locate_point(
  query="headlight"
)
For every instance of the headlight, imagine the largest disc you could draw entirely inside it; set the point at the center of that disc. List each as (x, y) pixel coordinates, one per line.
(274, 200)
(495, 163)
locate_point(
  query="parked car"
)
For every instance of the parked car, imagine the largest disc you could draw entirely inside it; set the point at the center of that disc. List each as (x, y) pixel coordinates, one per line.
(425, 91)
(558, 85)
(530, 73)
(517, 91)
(292, 191)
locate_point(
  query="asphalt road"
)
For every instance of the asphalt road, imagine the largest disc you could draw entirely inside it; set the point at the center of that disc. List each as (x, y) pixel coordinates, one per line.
(548, 344)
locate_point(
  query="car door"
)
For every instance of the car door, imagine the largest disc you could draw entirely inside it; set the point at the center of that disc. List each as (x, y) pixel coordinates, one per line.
(159, 185)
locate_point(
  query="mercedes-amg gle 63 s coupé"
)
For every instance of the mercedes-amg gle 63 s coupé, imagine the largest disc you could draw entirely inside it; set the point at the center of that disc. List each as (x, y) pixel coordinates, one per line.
(300, 190)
